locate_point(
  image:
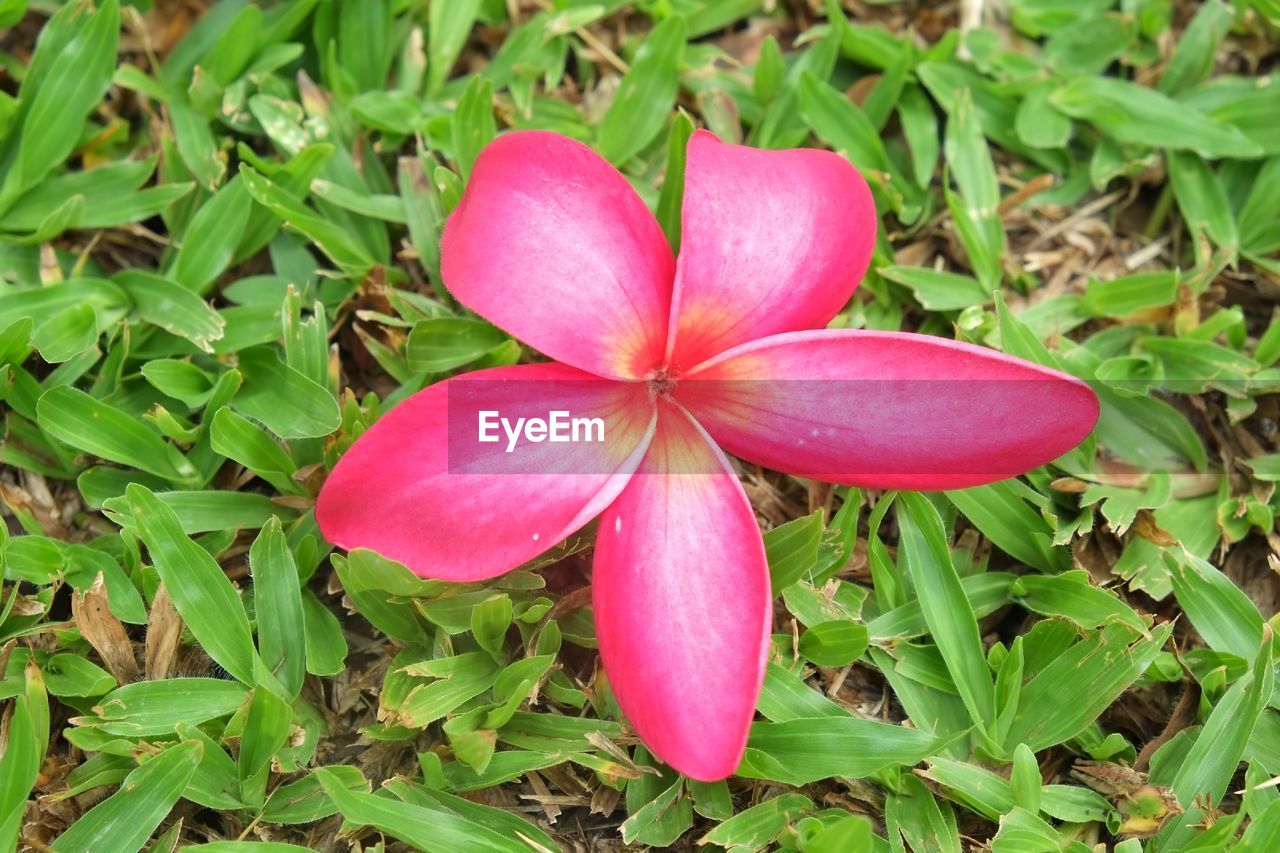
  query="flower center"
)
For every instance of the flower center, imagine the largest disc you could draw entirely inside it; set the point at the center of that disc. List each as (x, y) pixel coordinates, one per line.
(661, 382)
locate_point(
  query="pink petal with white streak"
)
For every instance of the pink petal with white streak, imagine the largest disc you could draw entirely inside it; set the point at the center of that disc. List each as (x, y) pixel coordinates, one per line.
(771, 241)
(420, 488)
(682, 602)
(551, 244)
(888, 410)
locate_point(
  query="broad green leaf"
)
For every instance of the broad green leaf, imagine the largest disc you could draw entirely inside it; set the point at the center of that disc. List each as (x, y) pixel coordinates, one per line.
(1025, 779)
(448, 25)
(11, 11)
(235, 47)
(1071, 596)
(937, 290)
(668, 210)
(770, 68)
(784, 697)
(975, 206)
(212, 236)
(395, 112)
(71, 675)
(326, 647)
(1259, 217)
(179, 379)
(913, 813)
(283, 399)
(1147, 431)
(758, 826)
(1100, 667)
(834, 643)
(81, 569)
(1220, 611)
(661, 820)
(658, 812)
(371, 571)
(74, 417)
(776, 128)
(1089, 45)
(304, 800)
(1197, 48)
(880, 101)
(239, 440)
(196, 144)
(444, 343)
(987, 592)
(364, 34)
(490, 620)
(1263, 832)
(473, 125)
(1131, 113)
(173, 308)
(76, 59)
(1011, 523)
(203, 595)
(469, 675)
(1022, 830)
(1128, 294)
(424, 214)
(42, 303)
(1040, 125)
(645, 95)
(982, 790)
(433, 830)
(1210, 764)
(946, 609)
(266, 729)
(841, 124)
(1244, 103)
(505, 766)
(996, 110)
(498, 820)
(147, 708)
(711, 799)
(19, 765)
(920, 127)
(792, 550)
(342, 247)
(388, 208)
(66, 334)
(277, 602)
(1202, 200)
(125, 820)
(1266, 467)
(805, 750)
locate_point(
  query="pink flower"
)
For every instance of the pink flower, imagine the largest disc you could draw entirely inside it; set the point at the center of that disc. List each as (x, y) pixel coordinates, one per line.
(723, 347)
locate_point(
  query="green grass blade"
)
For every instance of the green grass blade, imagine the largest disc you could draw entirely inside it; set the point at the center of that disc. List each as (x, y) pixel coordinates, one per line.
(277, 601)
(205, 598)
(124, 821)
(946, 608)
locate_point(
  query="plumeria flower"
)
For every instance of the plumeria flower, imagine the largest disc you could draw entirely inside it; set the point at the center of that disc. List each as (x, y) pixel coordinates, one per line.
(682, 360)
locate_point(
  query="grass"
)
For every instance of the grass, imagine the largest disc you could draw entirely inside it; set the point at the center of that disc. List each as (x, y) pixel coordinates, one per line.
(220, 260)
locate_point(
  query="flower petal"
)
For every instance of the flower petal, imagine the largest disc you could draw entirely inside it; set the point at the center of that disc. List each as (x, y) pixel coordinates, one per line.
(420, 488)
(551, 244)
(681, 596)
(771, 241)
(887, 409)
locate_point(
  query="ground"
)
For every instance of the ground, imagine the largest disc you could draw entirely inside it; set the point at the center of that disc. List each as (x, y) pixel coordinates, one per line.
(219, 241)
